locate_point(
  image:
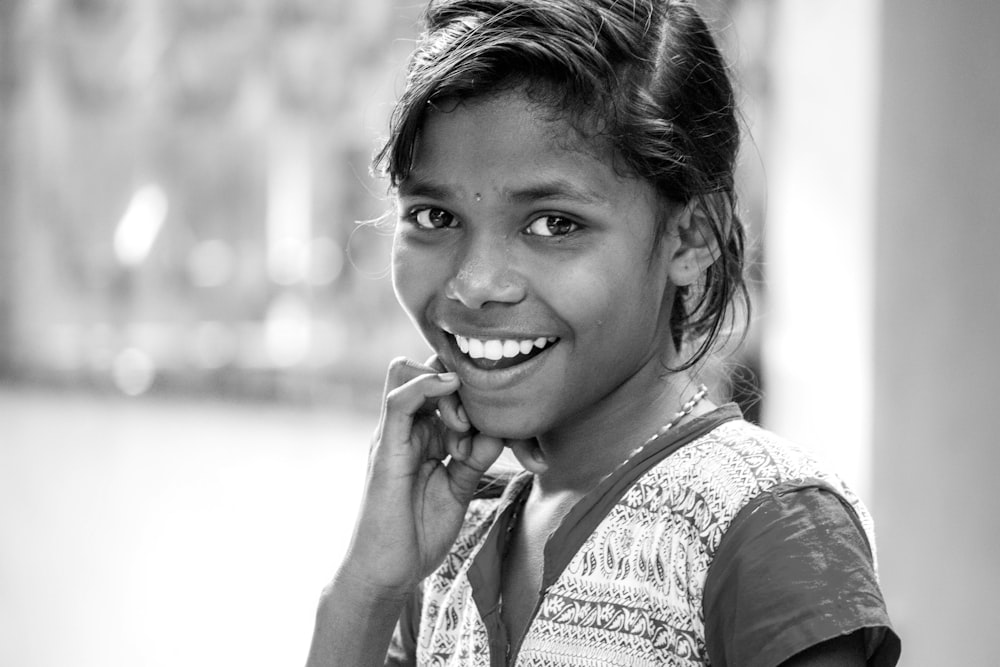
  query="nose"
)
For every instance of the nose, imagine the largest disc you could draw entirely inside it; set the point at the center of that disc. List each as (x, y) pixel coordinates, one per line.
(483, 274)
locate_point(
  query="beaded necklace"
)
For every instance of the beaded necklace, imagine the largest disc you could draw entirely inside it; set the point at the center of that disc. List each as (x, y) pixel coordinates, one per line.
(686, 409)
(515, 514)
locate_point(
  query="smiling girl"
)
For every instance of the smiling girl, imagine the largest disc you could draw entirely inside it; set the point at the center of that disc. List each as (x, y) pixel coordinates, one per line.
(567, 243)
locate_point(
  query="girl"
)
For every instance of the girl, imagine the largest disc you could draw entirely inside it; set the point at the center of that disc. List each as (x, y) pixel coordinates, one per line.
(568, 245)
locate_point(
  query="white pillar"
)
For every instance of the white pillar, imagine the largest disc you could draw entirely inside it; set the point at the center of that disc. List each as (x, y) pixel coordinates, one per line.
(818, 245)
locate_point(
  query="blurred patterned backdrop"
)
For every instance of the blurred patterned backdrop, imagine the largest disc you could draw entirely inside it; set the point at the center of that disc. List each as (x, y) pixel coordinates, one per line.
(185, 191)
(182, 190)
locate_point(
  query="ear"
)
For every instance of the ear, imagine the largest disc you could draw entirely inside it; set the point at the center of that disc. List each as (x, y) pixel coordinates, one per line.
(691, 243)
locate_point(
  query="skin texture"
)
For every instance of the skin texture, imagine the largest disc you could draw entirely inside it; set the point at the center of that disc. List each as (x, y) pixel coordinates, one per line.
(500, 178)
(410, 514)
(510, 226)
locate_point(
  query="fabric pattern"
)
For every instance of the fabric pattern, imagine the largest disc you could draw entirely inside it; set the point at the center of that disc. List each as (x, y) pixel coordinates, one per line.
(451, 630)
(633, 593)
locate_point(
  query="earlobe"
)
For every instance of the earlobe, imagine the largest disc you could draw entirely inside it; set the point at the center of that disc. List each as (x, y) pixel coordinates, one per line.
(693, 244)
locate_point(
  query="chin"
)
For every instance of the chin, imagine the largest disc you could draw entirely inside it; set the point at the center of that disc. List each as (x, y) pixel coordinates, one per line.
(499, 422)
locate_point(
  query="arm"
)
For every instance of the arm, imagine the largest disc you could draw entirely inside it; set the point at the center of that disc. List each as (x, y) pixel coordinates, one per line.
(793, 583)
(411, 512)
(354, 624)
(843, 651)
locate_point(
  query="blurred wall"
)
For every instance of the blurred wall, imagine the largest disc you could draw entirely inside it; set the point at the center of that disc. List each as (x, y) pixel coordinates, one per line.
(819, 236)
(8, 83)
(180, 194)
(883, 307)
(937, 297)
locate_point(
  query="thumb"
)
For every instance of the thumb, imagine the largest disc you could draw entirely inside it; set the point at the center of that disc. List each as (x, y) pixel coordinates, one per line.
(472, 455)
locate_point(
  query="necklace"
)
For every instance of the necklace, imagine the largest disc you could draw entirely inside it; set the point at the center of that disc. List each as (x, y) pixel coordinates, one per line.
(685, 410)
(521, 500)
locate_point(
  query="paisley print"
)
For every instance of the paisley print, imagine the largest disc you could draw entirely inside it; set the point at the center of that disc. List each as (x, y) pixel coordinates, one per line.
(632, 594)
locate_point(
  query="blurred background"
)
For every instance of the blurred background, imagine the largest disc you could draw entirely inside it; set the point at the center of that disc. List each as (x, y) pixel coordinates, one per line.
(195, 320)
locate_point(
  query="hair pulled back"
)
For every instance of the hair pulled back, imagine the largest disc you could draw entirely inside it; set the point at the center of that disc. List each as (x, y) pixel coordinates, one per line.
(645, 75)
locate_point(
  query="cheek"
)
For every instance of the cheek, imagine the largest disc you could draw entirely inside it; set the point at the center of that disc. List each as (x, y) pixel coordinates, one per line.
(404, 270)
(620, 318)
(415, 277)
(596, 298)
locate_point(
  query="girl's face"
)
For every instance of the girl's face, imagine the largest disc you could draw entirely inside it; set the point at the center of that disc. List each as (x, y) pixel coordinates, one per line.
(529, 266)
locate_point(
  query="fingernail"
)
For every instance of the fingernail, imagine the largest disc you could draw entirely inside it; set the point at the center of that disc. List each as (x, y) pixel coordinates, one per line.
(447, 377)
(462, 415)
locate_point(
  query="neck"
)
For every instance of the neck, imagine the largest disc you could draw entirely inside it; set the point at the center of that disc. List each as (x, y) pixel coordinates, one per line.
(590, 446)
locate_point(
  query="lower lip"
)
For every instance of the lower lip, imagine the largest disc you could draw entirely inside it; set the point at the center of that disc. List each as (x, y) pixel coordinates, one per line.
(494, 380)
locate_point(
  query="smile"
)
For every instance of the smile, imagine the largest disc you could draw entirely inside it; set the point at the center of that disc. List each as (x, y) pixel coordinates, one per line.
(498, 353)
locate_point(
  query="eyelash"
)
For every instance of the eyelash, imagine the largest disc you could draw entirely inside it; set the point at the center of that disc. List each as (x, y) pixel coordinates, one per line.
(414, 217)
(575, 226)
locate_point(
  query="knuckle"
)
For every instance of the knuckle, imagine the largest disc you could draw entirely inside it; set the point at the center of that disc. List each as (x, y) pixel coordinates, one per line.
(402, 370)
(396, 367)
(395, 398)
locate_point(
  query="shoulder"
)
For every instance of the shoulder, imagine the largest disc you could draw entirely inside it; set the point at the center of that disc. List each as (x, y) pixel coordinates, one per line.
(794, 570)
(713, 477)
(739, 453)
(768, 467)
(741, 461)
(794, 546)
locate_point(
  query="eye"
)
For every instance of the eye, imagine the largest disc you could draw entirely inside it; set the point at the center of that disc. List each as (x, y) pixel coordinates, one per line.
(432, 218)
(552, 225)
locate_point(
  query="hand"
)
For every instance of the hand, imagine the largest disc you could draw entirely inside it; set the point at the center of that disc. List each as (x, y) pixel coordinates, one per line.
(414, 503)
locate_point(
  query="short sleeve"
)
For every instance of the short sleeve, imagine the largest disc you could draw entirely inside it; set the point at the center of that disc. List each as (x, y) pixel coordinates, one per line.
(793, 570)
(403, 647)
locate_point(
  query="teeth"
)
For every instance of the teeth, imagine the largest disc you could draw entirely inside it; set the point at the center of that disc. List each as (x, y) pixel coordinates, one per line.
(495, 349)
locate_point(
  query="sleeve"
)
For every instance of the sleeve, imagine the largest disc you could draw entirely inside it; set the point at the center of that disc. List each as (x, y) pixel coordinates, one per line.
(402, 650)
(794, 569)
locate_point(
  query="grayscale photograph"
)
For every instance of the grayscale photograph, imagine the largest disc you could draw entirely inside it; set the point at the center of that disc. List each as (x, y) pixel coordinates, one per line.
(499, 333)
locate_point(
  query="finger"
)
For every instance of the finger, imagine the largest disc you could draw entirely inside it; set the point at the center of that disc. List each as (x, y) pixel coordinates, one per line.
(429, 432)
(404, 402)
(453, 414)
(529, 455)
(458, 445)
(450, 407)
(434, 362)
(466, 471)
(403, 370)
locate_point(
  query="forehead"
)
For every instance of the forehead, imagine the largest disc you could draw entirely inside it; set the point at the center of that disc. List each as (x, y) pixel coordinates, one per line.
(515, 111)
(507, 137)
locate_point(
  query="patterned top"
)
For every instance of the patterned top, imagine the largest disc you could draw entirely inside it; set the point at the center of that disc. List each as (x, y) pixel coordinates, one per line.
(722, 545)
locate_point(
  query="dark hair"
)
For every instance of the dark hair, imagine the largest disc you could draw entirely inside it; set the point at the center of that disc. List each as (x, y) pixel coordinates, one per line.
(645, 73)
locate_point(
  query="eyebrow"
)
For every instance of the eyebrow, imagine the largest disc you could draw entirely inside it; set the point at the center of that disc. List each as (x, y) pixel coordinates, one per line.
(413, 187)
(555, 189)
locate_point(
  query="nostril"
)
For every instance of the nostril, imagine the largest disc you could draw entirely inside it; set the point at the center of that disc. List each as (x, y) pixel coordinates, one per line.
(477, 291)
